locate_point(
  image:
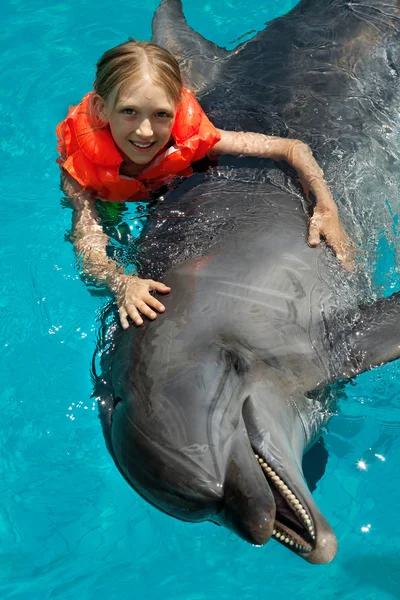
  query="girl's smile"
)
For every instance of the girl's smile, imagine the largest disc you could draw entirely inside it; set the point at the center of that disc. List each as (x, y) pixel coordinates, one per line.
(142, 147)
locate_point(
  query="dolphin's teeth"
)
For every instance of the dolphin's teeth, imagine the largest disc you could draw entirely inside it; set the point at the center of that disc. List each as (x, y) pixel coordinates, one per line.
(293, 502)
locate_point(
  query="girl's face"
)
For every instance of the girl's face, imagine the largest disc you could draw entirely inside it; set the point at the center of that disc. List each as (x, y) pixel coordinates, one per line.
(140, 120)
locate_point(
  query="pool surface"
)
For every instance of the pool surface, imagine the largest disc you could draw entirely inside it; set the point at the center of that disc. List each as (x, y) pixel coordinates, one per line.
(70, 527)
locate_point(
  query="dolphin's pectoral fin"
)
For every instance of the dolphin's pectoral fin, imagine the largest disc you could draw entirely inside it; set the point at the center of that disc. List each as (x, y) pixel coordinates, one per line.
(375, 339)
(199, 58)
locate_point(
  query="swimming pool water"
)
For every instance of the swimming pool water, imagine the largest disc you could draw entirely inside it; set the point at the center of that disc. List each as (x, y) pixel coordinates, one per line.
(70, 527)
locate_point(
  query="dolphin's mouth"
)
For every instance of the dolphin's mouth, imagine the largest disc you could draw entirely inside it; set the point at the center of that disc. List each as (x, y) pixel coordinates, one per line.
(293, 527)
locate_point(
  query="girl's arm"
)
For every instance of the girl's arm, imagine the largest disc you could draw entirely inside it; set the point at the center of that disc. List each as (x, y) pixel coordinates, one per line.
(325, 220)
(132, 293)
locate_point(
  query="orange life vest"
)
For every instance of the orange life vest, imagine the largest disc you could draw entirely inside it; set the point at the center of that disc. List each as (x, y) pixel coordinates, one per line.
(89, 154)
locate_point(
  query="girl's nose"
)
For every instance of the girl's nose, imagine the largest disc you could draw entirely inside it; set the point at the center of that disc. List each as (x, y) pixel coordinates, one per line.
(145, 129)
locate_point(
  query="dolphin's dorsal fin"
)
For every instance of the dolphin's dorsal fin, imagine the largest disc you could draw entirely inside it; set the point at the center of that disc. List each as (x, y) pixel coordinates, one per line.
(200, 59)
(375, 339)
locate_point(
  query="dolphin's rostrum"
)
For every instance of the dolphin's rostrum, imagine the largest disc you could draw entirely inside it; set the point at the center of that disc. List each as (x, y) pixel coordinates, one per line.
(209, 410)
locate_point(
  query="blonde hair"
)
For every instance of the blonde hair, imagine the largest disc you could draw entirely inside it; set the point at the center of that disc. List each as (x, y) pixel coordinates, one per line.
(130, 61)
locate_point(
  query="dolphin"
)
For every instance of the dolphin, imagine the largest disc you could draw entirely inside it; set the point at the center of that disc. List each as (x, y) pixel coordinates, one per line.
(209, 410)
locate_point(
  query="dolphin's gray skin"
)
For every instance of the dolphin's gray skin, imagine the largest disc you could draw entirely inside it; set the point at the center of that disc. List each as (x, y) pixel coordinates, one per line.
(258, 325)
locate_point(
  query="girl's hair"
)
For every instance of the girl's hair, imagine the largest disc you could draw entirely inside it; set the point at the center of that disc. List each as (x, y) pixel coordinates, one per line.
(130, 61)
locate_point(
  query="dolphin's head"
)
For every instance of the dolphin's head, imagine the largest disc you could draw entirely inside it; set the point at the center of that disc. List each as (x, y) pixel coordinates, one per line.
(214, 439)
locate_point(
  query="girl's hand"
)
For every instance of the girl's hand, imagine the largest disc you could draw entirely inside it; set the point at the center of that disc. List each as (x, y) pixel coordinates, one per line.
(326, 223)
(133, 295)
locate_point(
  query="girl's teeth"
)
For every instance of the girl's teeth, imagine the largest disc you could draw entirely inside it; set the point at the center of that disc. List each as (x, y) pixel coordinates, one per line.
(142, 145)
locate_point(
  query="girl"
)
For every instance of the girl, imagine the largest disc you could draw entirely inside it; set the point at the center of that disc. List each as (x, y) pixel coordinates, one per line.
(138, 129)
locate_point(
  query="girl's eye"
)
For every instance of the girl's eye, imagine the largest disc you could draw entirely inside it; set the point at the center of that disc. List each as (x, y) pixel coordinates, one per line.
(128, 111)
(164, 115)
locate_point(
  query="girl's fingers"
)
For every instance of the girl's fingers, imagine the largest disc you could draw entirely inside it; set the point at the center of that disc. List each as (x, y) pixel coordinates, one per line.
(313, 233)
(134, 314)
(159, 287)
(346, 255)
(145, 309)
(123, 317)
(154, 303)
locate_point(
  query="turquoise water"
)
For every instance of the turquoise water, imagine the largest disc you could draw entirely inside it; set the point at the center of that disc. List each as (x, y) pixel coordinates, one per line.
(70, 527)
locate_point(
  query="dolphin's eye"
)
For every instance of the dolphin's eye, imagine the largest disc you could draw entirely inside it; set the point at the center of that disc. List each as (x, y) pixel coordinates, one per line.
(237, 361)
(240, 365)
